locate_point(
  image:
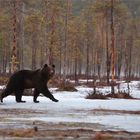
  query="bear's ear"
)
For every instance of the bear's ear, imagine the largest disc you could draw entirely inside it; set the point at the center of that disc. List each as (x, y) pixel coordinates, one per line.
(45, 65)
(53, 66)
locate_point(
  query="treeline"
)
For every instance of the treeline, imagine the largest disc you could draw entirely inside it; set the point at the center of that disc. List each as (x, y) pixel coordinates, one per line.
(77, 39)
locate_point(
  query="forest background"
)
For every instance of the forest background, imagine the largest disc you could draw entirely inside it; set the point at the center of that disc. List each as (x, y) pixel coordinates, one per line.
(83, 38)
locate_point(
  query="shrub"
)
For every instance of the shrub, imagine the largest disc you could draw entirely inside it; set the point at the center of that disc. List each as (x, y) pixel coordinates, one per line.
(121, 95)
(96, 96)
(67, 87)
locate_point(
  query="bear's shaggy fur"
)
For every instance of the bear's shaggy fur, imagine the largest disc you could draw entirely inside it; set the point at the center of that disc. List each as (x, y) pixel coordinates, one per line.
(26, 79)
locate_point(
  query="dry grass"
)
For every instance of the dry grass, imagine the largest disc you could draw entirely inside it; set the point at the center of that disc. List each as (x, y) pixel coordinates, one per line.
(18, 133)
(102, 136)
(96, 96)
(67, 87)
(67, 133)
(106, 111)
(120, 95)
(3, 79)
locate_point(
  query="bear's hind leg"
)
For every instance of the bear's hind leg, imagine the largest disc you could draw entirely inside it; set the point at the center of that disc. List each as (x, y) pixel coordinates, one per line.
(18, 95)
(5, 93)
(36, 94)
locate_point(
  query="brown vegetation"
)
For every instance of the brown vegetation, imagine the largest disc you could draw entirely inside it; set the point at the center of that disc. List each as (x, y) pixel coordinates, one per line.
(96, 96)
(67, 133)
(120, 95)
(67, 87)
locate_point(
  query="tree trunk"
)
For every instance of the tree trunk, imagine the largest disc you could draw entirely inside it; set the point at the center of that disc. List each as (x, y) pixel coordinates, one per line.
(22, 37)
(14, 47)
(112, 48)
(107, 51)
(65, 43)
(34, 49)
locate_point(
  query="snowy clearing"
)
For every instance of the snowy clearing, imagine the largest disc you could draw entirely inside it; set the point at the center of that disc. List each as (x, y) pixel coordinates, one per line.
(72, 107)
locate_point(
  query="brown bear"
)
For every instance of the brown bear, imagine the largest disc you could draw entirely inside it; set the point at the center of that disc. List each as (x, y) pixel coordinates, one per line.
(26, 79)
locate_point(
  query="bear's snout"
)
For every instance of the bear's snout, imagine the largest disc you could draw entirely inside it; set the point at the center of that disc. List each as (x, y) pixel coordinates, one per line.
(52, 72)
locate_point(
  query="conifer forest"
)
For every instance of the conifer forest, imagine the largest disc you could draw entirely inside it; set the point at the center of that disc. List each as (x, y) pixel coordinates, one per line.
(90, 38)
(70, 69)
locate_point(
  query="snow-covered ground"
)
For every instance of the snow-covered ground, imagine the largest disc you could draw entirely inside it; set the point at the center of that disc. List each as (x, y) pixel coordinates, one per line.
(73, 107)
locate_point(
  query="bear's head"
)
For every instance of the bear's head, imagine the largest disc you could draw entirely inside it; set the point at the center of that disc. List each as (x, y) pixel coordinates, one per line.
(48, 71)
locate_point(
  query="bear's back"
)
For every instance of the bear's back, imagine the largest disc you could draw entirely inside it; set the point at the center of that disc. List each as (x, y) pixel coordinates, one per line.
(17, 80)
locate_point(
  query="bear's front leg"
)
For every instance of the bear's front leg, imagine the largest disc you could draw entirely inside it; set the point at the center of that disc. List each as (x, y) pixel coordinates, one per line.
(44, 90)
(48, 94)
